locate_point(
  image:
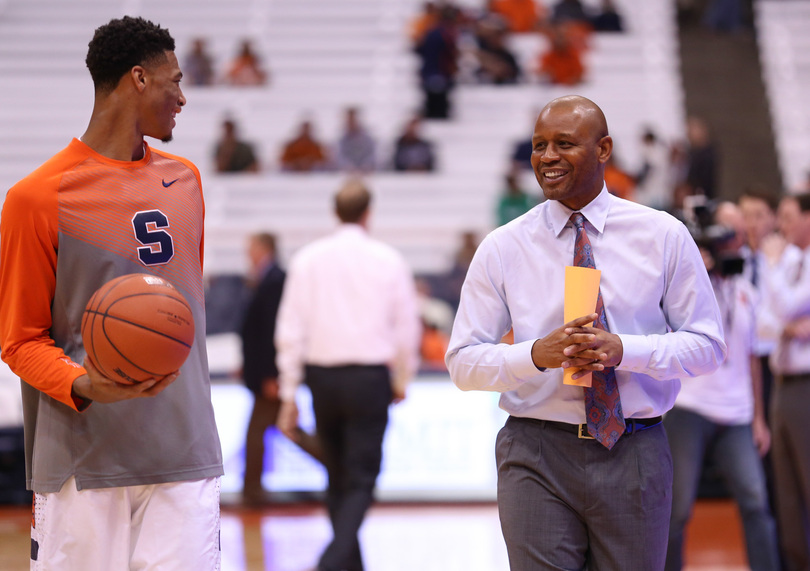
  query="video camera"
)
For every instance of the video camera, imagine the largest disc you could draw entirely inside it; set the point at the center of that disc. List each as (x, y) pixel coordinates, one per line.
(718, 240)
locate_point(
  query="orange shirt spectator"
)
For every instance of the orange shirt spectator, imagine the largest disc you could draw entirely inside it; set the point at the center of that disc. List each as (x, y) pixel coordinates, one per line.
(424, 22)
(520, 15)
(246, 68)
(619, 182)
(562, 63)
(433, 348)
(577, 33)
(304, 153)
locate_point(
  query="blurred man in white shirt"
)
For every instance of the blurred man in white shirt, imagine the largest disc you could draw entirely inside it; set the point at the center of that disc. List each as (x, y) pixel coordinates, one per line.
(349, 327)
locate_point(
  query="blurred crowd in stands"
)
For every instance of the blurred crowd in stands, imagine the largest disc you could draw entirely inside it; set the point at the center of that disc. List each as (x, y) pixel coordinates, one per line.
(244, 69)
(354, 152)
(457, 45)
(453, 45)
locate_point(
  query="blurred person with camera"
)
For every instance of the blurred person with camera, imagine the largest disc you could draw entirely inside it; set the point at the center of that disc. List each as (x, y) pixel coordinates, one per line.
(720, 415)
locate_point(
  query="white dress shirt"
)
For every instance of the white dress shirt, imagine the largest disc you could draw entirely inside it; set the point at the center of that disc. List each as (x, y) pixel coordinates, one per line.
(657, 297)
(726, 396)
(348, 300)
(788, 297)
(767, 324)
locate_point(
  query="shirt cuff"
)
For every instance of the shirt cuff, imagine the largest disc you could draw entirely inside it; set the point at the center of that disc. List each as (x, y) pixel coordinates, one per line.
(518, 357)
(636, 353)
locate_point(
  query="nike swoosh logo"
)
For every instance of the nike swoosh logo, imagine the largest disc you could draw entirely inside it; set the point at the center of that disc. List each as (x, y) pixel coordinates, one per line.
(168, 184)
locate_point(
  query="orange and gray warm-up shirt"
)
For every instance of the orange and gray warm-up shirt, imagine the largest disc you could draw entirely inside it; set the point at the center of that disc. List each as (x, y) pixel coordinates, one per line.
(78, 221)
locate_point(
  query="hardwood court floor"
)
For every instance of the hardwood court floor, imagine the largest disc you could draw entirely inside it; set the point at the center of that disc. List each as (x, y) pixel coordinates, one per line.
(396, 537)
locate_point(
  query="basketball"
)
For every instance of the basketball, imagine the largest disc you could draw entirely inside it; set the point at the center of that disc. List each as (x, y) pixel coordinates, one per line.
(136, 327)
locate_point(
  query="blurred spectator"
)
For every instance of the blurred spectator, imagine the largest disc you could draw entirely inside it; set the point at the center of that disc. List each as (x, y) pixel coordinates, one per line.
(520, 15)
(729, 216)
(303, 153)
(574, 21)
(413, 153)
(561, 64)
(522, 149)
(265, 282)
(198, 68)
(787, 283)
(701, 158)
(654, 182)
(437, 321)
(425, 21)
(522, 154)
(432, 348)
(348, 326)
(678, 162)
(608, 19)
(618, 181)
(438, 52)
(232, 154)
(496, 63)
(682, 196)
(433, 310)
(355, 148)
(465, 253)
(565, 10)
(513, 201)
(758, 210)
(454, 279)
(246, 68)
(724, 15)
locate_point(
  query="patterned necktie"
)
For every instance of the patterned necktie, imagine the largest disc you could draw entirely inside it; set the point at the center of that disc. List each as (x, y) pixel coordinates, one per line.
(603, 408)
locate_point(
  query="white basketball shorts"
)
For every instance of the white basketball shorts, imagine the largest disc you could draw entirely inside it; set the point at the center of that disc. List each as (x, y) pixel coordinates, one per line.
(170, 527)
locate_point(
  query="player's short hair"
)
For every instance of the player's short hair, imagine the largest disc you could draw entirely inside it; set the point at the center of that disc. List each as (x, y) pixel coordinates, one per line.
(352, 201)
(121, 44)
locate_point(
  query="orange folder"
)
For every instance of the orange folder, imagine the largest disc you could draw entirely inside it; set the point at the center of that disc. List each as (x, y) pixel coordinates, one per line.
(581, 292)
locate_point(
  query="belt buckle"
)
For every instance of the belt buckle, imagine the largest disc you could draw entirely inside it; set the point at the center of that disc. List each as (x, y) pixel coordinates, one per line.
(582, 432)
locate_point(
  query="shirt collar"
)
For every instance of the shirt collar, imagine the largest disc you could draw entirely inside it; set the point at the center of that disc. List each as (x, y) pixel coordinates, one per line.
(595, 212)
(351, 229)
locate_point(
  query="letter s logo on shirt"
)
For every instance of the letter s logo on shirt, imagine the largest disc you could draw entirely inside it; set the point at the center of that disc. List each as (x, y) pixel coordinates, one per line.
(158, 247)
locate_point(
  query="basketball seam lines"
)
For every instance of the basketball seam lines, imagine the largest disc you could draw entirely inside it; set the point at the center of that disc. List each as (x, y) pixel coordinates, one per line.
(104, 314)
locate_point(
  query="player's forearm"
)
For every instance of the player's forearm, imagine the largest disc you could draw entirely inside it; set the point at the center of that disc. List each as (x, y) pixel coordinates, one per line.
(45, 367)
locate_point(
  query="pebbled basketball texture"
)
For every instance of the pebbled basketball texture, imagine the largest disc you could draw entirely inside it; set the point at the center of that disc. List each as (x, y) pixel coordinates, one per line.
(136, 327)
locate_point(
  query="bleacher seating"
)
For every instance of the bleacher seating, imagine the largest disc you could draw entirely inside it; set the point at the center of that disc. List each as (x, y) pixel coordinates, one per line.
(784, 46)
(323, 56)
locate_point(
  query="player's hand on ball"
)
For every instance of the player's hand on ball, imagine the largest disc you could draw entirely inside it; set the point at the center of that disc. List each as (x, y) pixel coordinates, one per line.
(96, 387)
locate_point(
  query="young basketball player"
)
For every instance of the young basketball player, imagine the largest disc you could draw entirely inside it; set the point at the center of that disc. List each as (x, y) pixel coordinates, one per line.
(125, 476)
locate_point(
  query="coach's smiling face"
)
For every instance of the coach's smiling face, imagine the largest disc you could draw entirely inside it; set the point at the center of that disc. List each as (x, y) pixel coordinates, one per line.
(570, 147)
